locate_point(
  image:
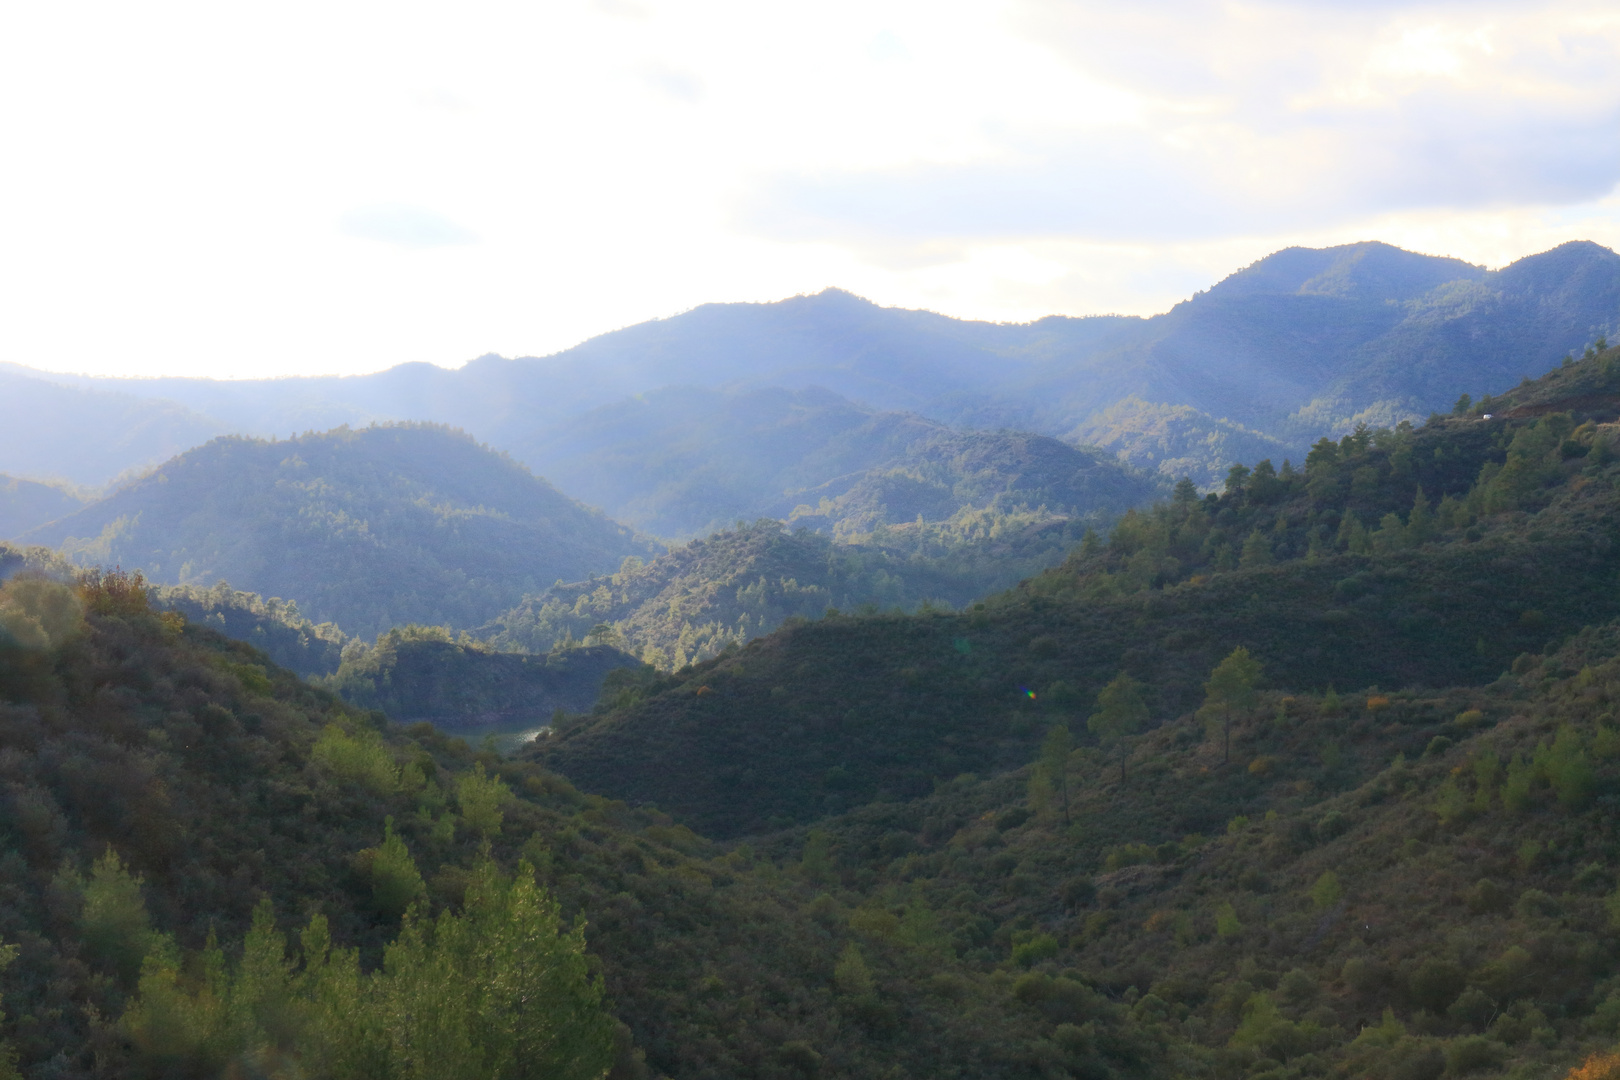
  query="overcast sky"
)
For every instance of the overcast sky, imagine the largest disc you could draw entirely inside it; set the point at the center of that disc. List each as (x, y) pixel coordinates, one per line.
(289, 188)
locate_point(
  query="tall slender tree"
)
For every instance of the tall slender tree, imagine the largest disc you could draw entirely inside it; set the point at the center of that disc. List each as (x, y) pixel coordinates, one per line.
(1231, 690)
(1120, 713)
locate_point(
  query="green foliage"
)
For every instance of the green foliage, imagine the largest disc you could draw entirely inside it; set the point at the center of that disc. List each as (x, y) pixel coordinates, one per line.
(1266, 1031)
(367, 528)
(274, 626)
(360, 757)
(482, 800)
(1121, 712)
(851, 975)
(1230, 691)
(37, 612)
(114, 923)
(395, 882)
(738, 584)
(1327, 892)
(416, 673)
(1052, 767)
(497, 990)
(816, 862)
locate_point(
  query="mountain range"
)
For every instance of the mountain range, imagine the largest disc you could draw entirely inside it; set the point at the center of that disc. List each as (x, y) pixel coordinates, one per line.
(1302, 342)
(1314, 776)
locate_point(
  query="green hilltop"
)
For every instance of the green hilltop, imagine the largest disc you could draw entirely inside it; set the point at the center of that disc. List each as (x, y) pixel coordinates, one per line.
(737, 584)
(368, 529)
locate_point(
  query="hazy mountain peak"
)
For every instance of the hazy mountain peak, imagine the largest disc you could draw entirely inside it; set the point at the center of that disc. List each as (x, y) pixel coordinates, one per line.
(1369, 270)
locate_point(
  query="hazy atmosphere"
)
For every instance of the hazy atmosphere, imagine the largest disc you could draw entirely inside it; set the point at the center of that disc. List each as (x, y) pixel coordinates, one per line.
(618, 540)
(317, 188)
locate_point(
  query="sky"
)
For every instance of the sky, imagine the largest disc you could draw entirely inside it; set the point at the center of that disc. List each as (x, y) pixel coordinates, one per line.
(301, 188)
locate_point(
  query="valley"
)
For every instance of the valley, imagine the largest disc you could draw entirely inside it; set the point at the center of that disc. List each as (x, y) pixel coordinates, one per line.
(1230, 693)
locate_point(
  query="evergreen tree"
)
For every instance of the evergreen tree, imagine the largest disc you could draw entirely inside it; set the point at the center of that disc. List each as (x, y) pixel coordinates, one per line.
(1054, 764)
(1231, 690)
(1120, 713)
(1256, 551)
(1420, 523)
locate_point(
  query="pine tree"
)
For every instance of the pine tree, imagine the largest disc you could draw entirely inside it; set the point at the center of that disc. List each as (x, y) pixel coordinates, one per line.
(1120, 713)
(1231, 689)
(1054, 763)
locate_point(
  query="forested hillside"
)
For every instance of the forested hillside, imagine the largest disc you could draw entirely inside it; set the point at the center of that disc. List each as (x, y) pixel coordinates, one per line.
(1399, 557)
(273, 626)
(683, 462)
(1303, 342)
(740, 583)
(367, 529)
(207, 862)
(1211, 864)
(461, 686)
(25, 505)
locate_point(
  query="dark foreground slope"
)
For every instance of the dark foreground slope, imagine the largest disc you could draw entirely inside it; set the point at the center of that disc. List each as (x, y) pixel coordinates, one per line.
(1403, 885)
(164, 788)
(368, 529)
(1340, 575)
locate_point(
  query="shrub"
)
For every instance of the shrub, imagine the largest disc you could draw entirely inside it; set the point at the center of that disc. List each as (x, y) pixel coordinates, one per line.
(481, 799)
(1078, 892)
(361, 759)
(851, 975)
(1533, 902)
(395, 881)
(1471, 1054)
(1473, 1007)
(1327, 891)
(1436, 984)
(1332, 824)
(875, 922)
(1365, 977)
(798, 1057)
(1037, 948)
(1487, 897)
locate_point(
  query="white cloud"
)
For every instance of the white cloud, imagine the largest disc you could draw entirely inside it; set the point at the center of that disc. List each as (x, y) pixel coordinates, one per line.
(189, 179)
(404, 226)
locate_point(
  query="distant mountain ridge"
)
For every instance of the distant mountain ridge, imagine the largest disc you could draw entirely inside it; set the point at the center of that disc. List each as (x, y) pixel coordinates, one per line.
(682, 462)
(1301, 343)
(25, 504)
(369, 529)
